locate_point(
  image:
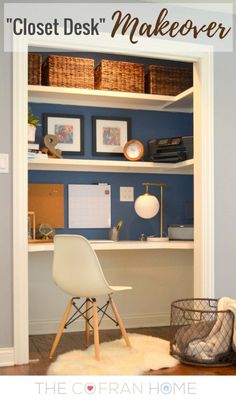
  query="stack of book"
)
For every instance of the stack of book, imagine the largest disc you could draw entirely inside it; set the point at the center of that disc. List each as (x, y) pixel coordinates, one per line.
(34, 152)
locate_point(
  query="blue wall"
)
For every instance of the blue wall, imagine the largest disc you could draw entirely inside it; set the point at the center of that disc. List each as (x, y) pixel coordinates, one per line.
(145, 125)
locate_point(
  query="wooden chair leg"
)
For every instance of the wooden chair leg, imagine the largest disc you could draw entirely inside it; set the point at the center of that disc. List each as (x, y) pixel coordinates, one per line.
(96, 331)
(120, 323)
(61, 328)
(87, 328)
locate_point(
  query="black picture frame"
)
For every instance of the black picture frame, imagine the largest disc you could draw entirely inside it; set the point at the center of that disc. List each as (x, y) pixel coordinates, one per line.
(53, 124)
(109, 140)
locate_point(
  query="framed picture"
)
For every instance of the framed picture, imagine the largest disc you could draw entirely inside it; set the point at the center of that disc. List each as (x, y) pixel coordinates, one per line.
(110, 135)
(68, 130)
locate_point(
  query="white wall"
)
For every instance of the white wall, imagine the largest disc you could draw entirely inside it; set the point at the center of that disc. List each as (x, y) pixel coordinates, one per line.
(6, 331)
(225, 173)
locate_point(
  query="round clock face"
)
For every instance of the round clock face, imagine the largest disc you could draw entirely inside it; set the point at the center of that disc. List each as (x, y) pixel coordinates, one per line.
(134, 150)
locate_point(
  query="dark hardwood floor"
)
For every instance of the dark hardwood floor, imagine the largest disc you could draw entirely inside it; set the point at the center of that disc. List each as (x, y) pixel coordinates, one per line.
(41, 344)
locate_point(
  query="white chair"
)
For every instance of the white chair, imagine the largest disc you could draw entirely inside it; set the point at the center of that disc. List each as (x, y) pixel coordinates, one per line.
(77, 271)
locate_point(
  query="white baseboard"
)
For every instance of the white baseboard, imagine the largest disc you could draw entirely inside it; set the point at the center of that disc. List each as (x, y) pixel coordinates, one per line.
(7, 357)
(131, 321)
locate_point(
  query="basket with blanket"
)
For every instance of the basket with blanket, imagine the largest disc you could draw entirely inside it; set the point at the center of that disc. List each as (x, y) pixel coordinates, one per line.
(203, 331)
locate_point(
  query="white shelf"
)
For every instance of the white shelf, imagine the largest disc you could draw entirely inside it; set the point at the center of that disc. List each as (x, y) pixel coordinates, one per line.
(185, 167)
(183, 102)
(121, 245)
(100, 98)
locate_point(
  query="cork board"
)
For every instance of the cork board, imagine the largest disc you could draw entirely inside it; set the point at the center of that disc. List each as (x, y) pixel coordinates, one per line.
(47, 201)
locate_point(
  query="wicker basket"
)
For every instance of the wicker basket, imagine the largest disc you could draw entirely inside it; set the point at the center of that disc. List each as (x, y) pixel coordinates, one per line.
(70, 72)
(120, 76)
(201, 334)
(34, 69)
(163, 80)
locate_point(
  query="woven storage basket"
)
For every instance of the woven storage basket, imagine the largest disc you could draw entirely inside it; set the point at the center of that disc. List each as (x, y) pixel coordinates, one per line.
(120, 76)
(71, 72)
(201, 334)
(162, 80)
(34, 69)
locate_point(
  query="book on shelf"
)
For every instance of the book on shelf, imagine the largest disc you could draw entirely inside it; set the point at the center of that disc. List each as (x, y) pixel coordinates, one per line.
(33, 146)
(32, 155)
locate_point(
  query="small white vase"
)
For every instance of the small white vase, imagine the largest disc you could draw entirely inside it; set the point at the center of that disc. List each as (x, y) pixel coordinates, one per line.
(31, 133)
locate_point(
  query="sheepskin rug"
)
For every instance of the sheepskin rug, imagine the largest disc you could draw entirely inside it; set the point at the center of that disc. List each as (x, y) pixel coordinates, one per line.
(116, 358)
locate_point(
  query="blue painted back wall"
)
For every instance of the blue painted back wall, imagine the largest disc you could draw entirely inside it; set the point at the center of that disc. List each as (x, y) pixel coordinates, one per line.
(178, 197)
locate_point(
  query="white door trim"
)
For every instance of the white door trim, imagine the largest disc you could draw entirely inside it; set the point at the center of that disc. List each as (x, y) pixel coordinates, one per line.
(20, 206)
(203, 172)
(204, 177)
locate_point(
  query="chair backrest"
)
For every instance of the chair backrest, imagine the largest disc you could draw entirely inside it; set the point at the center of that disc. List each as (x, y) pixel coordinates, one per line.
(76, 268)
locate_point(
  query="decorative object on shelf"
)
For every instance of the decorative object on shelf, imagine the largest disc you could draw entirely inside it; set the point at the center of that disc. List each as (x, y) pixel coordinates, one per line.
(68, 130)
(134, 150)
(181, 232)
(70, 72)
(120, 76)
(46, 231)
(110, 135)
(168, 80)
(170, 150)
(50, 142)
(33, 123)
(142, 237)
(147, 206)
(119, 225)
(113, 234)
(31, 226)
(34, 69)
(114, 231)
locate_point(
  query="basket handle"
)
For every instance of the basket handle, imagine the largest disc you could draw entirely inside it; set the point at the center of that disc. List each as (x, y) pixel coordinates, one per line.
(192, 318)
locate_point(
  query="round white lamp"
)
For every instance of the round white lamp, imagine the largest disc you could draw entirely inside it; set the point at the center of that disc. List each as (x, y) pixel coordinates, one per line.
(147, 206)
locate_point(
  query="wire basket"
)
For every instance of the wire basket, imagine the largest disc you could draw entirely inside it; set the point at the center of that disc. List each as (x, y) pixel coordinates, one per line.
(201, 334)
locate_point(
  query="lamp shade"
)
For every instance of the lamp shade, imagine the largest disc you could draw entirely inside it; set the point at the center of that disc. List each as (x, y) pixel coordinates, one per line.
(146, 206)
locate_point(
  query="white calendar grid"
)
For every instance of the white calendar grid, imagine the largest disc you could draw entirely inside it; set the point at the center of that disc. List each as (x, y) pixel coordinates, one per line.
(89, 206)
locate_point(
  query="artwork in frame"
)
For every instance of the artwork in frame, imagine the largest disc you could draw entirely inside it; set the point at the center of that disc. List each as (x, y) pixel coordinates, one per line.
(110, 135)
(68, 129)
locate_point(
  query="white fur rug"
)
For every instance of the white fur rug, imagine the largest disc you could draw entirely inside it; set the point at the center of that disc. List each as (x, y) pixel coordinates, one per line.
(116, 358)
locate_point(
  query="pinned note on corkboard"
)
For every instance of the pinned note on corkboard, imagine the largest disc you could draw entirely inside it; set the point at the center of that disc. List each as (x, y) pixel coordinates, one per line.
(47, 201)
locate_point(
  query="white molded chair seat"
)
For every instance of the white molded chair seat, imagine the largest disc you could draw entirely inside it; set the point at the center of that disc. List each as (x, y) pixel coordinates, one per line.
(77, 271)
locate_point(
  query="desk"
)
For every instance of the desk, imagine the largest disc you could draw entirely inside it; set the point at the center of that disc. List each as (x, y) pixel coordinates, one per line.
(121, 245)
(159, 273)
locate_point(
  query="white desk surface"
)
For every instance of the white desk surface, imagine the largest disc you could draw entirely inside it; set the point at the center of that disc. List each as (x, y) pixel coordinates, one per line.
(120, 245)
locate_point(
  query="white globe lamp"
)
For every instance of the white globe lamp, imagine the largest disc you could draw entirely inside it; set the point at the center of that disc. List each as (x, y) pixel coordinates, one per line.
(147, 206)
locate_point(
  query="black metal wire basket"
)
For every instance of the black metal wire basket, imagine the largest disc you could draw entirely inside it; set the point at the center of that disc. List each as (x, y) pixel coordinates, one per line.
(201, 334)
